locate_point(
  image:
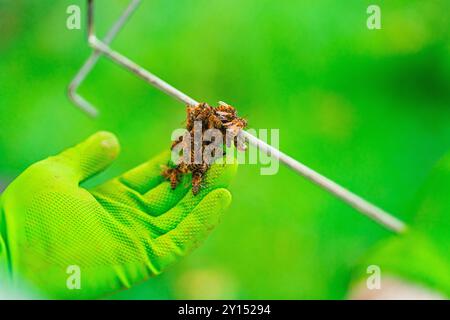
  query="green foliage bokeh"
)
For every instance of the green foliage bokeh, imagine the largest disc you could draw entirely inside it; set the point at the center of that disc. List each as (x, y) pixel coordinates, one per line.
(368, 108)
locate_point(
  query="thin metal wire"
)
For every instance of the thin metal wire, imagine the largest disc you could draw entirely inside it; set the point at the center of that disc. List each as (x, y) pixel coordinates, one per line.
(357, 202)
(77, 99)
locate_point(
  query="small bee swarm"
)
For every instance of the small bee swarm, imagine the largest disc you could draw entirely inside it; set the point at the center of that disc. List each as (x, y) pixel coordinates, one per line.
(224, 118)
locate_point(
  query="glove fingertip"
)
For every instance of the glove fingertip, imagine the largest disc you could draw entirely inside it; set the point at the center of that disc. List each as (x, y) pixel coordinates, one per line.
(222, 197)
(108, 142)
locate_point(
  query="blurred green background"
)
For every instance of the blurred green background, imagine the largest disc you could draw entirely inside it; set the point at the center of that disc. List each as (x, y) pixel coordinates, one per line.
(367, 108)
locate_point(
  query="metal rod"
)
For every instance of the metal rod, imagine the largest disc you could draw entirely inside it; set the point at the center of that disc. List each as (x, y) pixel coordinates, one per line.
(357, 202)
(78, 100)
(141, 72)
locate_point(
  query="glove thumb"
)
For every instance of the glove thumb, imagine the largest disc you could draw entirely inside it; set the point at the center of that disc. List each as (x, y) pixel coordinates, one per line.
(90, 156)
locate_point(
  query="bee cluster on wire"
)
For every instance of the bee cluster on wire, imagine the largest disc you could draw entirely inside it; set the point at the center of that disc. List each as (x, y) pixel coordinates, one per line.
(199, 120)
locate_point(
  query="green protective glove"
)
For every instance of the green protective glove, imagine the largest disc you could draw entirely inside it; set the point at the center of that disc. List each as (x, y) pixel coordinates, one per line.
(118, 234)
(421, 255)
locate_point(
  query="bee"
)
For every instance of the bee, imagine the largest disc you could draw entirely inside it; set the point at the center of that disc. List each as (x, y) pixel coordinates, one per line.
(191, 116)
(202, 167)
(214, 122)
(176, 142)
(198, 172)
(202, 112)
(226, 110)
(173, 175)
(196, 182)
(183, 168)
(235, 125)
(205, 114)
(233, 129)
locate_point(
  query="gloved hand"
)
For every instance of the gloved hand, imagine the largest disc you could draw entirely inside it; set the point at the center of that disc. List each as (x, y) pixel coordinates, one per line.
(117, 234)
(421, 256)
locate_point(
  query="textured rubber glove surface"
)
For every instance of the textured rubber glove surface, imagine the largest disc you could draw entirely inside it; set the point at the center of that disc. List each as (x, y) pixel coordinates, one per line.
(118, 234)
